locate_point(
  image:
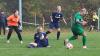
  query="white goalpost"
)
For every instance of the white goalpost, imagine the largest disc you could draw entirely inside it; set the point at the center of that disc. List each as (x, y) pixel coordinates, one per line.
(99, 19)
(20, 13)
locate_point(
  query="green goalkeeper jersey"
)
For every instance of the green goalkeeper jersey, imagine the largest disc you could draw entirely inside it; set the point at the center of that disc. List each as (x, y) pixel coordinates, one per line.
(77, 28)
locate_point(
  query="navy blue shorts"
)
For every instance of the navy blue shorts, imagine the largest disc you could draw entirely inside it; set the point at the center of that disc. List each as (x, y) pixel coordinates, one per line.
(44, 43)
(54, 25)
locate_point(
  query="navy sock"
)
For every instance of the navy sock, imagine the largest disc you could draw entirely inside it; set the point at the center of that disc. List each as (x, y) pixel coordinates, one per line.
(58, 35)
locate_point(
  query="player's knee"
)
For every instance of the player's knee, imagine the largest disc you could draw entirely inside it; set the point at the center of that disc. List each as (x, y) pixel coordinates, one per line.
(84, 34)
(76, 37)
(58, 29)
(34, 44)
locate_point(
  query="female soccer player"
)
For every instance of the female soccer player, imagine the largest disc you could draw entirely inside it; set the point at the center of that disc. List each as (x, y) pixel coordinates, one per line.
(77, 29)
(55, 19)
(40, 39)
(13, 22)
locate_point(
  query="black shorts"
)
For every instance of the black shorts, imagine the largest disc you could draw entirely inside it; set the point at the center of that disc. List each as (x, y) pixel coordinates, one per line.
(93, 23)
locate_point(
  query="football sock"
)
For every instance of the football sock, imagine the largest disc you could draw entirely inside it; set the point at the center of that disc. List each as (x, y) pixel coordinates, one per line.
(58, 35)
(84, 40)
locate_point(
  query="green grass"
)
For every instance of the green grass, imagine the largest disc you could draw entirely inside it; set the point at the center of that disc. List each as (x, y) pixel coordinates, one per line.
(57, 49)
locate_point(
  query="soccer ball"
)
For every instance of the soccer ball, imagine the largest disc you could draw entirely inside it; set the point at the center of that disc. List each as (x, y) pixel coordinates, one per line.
(69, 46)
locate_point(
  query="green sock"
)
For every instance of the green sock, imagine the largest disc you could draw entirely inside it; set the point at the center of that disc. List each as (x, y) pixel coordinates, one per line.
(84, 40)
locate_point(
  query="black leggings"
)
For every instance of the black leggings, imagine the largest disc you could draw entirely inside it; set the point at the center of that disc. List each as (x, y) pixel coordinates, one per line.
(16, 30)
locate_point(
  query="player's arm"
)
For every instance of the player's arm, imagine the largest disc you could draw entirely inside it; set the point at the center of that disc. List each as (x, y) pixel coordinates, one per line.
(64, 20)
(19, 21)
(9, 18)
(97, 17)
(81, 22)
(51, 19)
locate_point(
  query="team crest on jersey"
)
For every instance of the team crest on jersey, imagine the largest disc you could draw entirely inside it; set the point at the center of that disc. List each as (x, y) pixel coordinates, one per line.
(58, 16)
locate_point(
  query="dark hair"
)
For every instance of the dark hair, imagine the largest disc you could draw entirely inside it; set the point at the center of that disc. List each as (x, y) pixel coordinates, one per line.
(13, 11)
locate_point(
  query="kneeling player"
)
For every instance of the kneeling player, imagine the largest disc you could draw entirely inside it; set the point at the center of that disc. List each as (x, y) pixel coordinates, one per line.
(40, 39)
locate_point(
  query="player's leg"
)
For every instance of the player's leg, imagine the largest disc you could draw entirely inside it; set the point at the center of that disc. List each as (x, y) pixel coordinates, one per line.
(57, 26)
(84, 40)
(96, 25)
(47, 43)
(9, 34)
(50, 28)
(90, 29)
(44, 43)
(67, 41)
(4, 28)
(32, 45)
(74, 37)
(0, 30)
(91, 26)
(19, 34)
(58, 33)
(0, 27)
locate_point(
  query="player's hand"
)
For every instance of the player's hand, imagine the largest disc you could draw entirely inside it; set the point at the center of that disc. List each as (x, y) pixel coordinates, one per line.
(84, 23)
(51, 20)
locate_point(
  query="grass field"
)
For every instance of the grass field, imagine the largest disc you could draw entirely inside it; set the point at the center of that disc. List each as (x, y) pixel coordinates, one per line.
(57, 49)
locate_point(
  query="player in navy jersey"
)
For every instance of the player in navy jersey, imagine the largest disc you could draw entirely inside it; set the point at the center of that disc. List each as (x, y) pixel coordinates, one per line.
(56, 17)
(40, 39)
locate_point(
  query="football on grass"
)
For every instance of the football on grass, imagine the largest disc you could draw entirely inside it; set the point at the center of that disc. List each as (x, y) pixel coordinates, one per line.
(69, 46)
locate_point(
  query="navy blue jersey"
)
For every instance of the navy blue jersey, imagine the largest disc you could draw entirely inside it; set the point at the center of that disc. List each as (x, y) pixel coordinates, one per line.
(56, 17)
(37, 36)
(39, 41)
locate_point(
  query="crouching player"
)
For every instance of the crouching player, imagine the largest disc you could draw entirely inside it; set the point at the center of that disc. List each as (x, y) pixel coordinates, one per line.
(40, 39)
(77, 29)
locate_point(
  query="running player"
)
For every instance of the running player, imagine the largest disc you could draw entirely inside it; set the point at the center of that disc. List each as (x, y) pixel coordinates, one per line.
(77, 29)
(55, 19)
